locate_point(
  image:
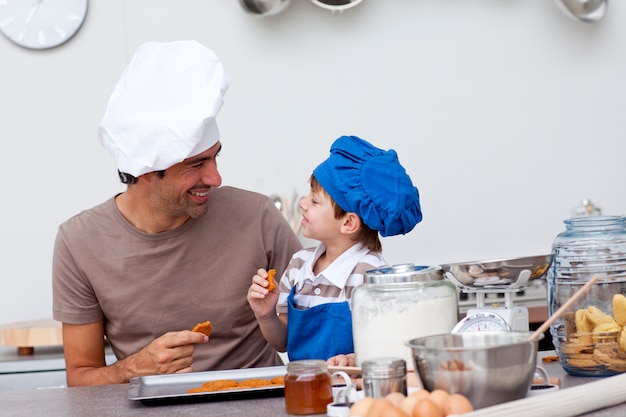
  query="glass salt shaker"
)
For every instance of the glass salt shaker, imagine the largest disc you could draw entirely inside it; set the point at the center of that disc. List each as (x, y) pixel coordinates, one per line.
(382, 376)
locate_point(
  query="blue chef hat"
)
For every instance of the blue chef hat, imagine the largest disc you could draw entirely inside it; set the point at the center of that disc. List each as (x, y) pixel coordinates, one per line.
(371, 183)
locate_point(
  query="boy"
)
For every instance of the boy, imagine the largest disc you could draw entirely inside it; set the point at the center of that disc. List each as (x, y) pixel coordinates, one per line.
(358, 192)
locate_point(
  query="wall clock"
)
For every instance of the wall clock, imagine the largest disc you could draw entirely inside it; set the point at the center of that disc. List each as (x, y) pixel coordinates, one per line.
(41, 24)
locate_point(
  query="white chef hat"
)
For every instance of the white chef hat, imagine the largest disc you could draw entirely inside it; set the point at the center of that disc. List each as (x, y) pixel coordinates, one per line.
(163, 108)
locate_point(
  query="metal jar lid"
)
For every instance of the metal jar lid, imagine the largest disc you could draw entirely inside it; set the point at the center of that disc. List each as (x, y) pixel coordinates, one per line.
(404, 273)
(383, 368)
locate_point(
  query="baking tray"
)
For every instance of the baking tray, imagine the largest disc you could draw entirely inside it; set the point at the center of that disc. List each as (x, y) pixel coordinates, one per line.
(169, 388)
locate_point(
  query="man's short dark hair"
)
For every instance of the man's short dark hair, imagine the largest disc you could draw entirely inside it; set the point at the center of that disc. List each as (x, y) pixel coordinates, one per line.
(131, 179)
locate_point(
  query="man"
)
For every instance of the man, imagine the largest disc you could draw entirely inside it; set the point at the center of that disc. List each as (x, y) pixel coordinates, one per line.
(173, 250)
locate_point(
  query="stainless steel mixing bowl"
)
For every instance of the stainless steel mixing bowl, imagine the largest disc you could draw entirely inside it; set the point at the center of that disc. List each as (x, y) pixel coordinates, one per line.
(487, 367)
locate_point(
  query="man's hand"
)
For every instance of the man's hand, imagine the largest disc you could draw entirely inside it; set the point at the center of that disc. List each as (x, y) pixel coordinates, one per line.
(84, 355)
(168, 354)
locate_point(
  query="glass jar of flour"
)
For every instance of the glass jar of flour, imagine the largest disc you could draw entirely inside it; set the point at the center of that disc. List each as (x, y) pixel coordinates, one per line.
(397, 304)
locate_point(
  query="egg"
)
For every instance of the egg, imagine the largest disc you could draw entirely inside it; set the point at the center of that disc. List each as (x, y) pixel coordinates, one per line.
(439, 397)
(420, 393)
(425, 407)
(361, 407)
(408, 404)
(392, 411)
(377, 406)
(457, 404)
(395, 397)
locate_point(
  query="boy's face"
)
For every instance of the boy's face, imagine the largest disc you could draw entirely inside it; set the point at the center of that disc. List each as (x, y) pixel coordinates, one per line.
(318, 217)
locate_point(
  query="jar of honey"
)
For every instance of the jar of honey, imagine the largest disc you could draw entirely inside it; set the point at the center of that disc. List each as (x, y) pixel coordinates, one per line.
(308, 387)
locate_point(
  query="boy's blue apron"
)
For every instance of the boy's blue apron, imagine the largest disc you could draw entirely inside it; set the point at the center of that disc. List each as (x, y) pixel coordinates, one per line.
(318, 332)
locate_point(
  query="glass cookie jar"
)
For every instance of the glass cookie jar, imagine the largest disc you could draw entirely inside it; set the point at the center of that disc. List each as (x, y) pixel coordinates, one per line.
(588, 337)
(397, 304)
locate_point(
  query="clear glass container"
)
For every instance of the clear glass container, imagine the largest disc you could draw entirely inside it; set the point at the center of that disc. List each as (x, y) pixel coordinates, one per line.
(594, 245)
(308, 387)
(586, 208)
(397, 304)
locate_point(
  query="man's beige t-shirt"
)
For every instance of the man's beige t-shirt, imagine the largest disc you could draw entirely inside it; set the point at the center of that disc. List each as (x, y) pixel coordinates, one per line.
(144, 285)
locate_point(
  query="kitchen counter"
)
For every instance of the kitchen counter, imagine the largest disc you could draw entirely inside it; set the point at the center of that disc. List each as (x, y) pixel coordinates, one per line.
(48, 358)
(112, 400)
(45, 368)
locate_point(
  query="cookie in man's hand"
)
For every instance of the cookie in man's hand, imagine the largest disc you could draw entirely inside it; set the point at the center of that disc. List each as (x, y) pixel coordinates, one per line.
(204, 327)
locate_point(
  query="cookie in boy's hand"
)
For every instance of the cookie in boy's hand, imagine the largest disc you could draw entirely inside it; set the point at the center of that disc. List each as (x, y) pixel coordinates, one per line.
(270, 279)
(204, 327)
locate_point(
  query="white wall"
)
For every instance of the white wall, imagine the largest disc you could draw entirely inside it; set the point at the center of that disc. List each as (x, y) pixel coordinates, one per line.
(505, 114)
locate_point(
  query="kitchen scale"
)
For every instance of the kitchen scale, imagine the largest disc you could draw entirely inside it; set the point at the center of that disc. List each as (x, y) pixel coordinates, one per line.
(504, 276)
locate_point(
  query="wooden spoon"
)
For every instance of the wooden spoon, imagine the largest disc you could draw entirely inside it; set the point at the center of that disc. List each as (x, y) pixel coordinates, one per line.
(546, 324)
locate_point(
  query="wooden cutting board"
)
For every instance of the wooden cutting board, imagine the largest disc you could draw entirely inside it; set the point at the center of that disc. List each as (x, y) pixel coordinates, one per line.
(27, 335)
